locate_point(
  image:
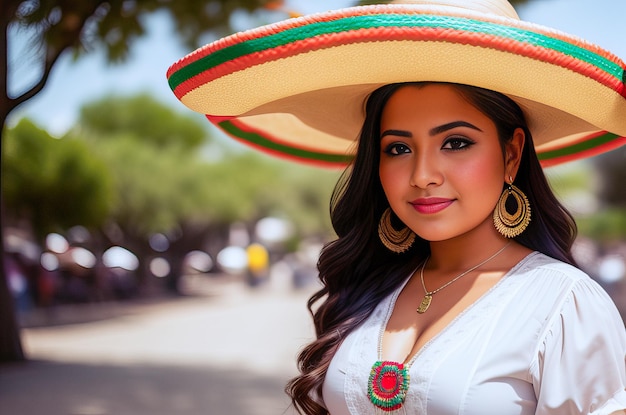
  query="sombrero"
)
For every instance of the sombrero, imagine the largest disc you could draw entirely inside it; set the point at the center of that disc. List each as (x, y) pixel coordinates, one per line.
(297, 88)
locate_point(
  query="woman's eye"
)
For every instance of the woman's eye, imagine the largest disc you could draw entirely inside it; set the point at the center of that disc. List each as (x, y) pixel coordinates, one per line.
(457, 144)
(396, 149)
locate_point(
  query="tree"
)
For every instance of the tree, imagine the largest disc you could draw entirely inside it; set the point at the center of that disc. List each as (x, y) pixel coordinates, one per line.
(164, 185)
(153, 156)
(608, 225)
(611, 167)
(48, 183)
(52, 183)
(132, 168)
(154, 123)
(61, 26)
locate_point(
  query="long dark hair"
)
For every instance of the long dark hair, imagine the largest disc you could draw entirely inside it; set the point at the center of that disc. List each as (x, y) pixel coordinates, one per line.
(357, 271)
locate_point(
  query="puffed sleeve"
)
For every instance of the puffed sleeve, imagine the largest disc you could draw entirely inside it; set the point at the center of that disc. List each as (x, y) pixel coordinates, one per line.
(580, 362)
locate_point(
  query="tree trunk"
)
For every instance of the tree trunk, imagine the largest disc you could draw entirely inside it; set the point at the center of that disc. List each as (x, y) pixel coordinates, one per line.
(10, 343)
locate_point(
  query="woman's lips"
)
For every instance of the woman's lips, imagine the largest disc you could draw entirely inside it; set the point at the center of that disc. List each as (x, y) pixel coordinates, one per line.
(431, 205)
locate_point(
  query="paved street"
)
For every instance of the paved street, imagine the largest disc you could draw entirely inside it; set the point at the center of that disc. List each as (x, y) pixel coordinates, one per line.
(229, 350)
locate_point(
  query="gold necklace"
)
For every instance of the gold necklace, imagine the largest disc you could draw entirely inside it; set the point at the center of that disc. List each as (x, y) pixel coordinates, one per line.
(428, 297)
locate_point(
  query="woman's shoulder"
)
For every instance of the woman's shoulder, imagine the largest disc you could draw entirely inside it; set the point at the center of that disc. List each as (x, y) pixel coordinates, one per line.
(550, 284)
(560, 297)
(539, 265)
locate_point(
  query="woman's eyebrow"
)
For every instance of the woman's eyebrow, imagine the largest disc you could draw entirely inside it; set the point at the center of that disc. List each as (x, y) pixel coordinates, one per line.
(445, 127)
(399, 133)
(433, 131)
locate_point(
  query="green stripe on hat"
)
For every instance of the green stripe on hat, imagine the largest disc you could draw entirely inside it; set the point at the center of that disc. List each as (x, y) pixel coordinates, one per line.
(347, 24)
(257, 139)
(573, 149)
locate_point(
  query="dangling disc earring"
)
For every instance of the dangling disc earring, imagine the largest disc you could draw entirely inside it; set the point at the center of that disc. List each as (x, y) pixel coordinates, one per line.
(394, 240)
(512, 224)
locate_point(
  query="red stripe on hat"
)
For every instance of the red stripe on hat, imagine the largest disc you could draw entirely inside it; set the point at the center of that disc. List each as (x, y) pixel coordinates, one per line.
(589, 152)
(272, 29)
(394, 33)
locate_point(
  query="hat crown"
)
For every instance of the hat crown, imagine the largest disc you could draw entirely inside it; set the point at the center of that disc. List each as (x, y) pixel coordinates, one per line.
(495, 7)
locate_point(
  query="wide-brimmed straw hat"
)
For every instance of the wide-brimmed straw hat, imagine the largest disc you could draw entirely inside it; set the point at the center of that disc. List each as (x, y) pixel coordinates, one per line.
(297, 88)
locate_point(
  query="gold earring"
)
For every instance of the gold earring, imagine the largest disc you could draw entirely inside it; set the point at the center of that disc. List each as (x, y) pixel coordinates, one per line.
(395, 241)
(512, 224)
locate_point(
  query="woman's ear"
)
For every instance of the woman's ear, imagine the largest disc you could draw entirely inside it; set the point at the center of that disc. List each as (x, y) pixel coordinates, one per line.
(513, 154)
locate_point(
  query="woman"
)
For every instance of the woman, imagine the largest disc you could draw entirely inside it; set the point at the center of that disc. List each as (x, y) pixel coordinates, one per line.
(489, 339)
(451, 287)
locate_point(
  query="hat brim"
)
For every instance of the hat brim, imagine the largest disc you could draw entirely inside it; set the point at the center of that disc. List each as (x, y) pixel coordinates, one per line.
(297, 88)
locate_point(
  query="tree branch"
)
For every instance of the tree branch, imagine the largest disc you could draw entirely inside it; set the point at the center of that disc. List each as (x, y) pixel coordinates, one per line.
(38, 87)
(70, 36)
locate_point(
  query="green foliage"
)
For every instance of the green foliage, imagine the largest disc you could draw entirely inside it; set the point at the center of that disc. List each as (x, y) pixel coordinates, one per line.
(129, 162)
(193, 20)
(147, 119)
(114, 24)
(611, 167)
(160, 183)
(609, 223)
(52, 183)
(151, 152)
(238, 186)
(304, 197)
(250, 186)
(571, 178)
(606, 225)
(572, 181)
(601, 178)
(150, 184)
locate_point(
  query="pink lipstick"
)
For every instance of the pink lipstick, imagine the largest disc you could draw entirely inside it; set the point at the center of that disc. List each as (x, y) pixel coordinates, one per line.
(431, 205)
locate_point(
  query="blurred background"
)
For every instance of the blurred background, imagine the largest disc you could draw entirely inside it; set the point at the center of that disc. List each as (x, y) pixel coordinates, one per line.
(153, 265)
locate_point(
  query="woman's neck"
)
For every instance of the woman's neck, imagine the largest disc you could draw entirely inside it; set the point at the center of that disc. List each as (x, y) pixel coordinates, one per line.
(464, 251)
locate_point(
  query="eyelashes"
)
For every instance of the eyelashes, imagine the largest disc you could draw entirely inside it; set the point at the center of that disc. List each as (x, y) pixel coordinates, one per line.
(450, 144)
(457, 143)
(395, 149)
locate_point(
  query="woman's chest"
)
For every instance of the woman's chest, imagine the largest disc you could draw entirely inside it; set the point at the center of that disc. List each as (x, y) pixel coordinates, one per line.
(478, 364)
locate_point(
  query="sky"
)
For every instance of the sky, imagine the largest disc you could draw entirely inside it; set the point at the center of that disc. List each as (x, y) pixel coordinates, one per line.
(74, 83)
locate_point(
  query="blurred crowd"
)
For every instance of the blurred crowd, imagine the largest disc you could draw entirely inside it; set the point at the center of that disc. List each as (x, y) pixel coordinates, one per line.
(64, 273)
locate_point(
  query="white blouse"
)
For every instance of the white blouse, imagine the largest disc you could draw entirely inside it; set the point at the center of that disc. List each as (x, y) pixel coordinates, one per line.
(546, 339)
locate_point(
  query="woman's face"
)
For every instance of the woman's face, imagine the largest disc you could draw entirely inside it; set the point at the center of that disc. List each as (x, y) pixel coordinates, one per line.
(441, 164)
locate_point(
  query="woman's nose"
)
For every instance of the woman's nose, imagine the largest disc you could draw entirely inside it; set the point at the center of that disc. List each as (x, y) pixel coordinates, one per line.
(426, 172)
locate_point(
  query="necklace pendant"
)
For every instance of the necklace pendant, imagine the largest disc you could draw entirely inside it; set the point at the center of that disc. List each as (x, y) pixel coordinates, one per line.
(425, 304)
